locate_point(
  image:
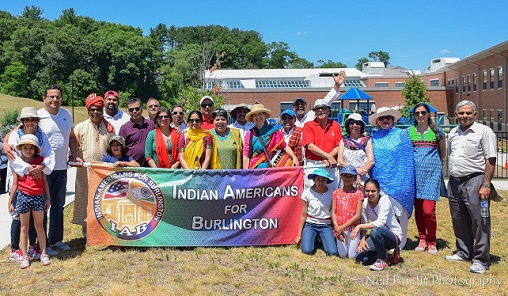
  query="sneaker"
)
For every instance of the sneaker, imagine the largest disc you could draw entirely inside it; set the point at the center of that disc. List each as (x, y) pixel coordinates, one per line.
(45, 260)
(422, 246)
(16, 255)
(51, 252)
(34, 252)
(379, 265)
(62, 246)
(432, 249)
(454, 257)
(477, 268)
(25, 262)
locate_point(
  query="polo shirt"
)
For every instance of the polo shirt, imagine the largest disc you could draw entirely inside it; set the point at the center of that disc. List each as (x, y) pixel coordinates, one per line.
(135, 137)
(326, 138)
(207, 124)
(118, 120)
(470, 148)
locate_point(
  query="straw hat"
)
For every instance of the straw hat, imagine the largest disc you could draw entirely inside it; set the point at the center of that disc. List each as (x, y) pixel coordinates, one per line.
(28, 112)
(257, 108)
(383, 111)
(29, 139)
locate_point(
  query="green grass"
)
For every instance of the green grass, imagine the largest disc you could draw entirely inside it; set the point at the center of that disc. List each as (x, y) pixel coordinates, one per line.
(278, 270)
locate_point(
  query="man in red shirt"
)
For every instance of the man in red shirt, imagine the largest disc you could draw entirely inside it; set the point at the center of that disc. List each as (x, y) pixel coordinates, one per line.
(206, 104)
(321, 138)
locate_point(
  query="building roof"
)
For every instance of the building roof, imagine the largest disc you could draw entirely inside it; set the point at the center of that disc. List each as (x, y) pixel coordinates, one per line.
(503, 46)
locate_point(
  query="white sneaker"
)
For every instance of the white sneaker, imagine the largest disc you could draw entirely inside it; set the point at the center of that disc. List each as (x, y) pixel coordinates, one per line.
(62, 246)
(45, 260)
(16, 255)
(25, 262)
(454, 257)
(51, 252)
(477, 268)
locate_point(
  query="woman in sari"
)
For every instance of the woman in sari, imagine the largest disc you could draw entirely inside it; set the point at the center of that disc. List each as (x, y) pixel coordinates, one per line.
(161, 146)
(228, 142)
(263, 140)
(195, 147)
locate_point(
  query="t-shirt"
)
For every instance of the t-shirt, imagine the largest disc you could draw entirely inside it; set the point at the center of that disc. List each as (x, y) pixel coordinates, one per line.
(58, 129)
(30, 185)
(318, 206)
(111, 159)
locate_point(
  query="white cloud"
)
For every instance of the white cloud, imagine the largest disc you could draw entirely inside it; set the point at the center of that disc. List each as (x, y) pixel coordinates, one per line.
(444, 51)
(304, 33)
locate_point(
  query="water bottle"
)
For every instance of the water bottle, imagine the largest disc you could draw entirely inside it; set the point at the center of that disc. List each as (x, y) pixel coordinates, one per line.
(484, 209)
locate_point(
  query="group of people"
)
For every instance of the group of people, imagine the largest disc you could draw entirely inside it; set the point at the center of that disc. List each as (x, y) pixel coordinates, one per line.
(396, 170)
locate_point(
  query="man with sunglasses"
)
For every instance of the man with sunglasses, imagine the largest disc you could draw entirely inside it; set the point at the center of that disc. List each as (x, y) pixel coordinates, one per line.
(92, 137)
(152, 107)
(135, 131)
(472, 160)
(206, 104)
(241, 122)
(178, 118)
(111, 112)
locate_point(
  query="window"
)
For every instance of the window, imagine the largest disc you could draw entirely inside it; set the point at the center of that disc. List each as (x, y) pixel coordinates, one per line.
(491, 78)
(353, 83)
(335, 109)
(282, 84)
(468, 83)
(456, 85)
(474, 81)
(499, 119)
(381, 84)
(434, 82)
(228, 84)
(463, 84)
(399, 84)
(448, 82)
(484, 116)
(499, 77)
(363, 106)
(484, 80)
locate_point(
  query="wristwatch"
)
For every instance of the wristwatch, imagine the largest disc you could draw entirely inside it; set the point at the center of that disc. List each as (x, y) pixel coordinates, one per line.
(486, 185)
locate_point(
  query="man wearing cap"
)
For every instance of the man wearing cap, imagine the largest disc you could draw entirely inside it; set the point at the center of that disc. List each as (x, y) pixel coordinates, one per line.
(152, 107)
(292, 134)
(206, 104)
(135, 131)
(114, 115)
(300, 104)
(92, 137)
(472, 161)
(321, 139)
(241, 122)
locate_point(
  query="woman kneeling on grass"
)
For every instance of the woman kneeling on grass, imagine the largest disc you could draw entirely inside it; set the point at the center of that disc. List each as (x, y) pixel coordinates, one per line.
(315, 217)
(385, 230)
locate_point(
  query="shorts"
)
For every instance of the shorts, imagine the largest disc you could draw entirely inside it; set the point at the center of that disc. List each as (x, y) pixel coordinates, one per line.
(26, 203)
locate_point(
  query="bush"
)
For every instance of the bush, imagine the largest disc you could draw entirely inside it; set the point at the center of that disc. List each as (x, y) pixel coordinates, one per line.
(10, 117)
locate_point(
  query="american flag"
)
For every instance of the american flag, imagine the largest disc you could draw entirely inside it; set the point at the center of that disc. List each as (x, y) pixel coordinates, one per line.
(117, 190)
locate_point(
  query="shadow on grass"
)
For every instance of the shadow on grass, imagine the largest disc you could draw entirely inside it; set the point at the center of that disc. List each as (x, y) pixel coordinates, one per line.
(412, 244)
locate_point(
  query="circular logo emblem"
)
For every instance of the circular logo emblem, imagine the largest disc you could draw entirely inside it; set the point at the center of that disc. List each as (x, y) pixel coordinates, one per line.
(128, 205)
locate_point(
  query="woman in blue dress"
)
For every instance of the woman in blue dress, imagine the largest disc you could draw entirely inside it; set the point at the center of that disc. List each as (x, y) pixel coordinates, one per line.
(429, 146)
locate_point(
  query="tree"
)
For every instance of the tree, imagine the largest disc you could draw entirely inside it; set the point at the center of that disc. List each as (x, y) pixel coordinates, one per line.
(380, 56)
(331, 64)
(33, 13)
(359, 64)
(414, 92)
(15, 79)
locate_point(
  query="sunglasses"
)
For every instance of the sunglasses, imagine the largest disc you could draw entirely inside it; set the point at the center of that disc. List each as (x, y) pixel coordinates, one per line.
(386, 118)
(357, 122)
(423, 113)
(195, 120)
(462, 113)
(163, 117)
(287, 117)
(134, 109)
(95, 109)
(30, 119)
(153, 106)
(207, 105)
(178, 113)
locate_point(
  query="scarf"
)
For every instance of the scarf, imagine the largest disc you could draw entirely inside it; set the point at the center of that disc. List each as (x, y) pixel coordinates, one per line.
(194, 149)
(161, 149)
(272, 141)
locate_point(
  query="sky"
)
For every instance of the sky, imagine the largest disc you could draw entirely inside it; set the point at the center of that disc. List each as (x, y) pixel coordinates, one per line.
(413, 32)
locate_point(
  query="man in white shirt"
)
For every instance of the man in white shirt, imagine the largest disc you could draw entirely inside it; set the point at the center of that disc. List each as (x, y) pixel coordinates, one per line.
(112, 114)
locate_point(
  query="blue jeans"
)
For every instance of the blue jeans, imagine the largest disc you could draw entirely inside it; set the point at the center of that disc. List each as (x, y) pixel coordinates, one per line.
(57, 182)
(325, 231)
(380, 239)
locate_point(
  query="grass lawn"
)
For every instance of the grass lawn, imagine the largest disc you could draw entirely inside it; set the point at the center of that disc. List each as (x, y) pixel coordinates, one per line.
(279, 270)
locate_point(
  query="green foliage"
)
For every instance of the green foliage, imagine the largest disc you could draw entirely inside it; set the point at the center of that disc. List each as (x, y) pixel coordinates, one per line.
(9, 117)
(331, 64)
(15, 79)
(359, 64)
(414, 92)
(374, 56)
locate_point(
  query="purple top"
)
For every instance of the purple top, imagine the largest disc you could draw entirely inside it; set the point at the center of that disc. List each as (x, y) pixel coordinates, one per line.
(135, 137)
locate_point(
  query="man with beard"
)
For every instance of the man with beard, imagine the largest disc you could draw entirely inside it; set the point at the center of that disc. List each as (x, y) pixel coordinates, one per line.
(241, 122)
(135, 131)
(92, 137)
(114, 115)
(300, 104)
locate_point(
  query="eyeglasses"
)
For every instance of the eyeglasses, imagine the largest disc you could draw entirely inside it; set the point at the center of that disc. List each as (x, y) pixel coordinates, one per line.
(423, 113)
(287, 117)
(462, 113)
(54, 97)
(163, 117)
(134, 109)
(95, 109)
(153, 106)
(178, 113)
(357, 122)
(386, 118)
(30, 119)
(204, 105)
(197, 120)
